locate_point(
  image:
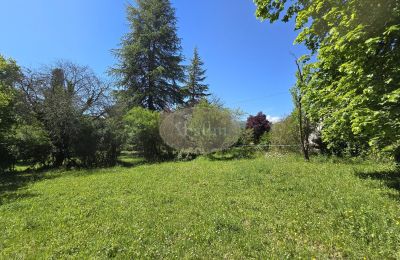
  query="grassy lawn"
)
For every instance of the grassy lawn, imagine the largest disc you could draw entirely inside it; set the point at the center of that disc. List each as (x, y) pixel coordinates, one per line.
(266, 207)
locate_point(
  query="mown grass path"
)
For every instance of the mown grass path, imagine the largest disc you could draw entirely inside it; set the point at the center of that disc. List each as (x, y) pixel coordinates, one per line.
(262, 208)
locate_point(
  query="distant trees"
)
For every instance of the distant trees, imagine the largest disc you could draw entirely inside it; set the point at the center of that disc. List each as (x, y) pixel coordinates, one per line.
(354, 87)
(259, 124)
(195, 90)
(149, 61)
(285, 134)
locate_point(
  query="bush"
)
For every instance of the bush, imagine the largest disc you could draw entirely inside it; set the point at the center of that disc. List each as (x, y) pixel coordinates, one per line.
(7, 160)
(98, 142)
(33, 145)
(142, 129)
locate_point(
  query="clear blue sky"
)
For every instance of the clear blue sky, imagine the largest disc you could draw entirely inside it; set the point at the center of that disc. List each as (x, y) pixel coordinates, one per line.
(249, 65)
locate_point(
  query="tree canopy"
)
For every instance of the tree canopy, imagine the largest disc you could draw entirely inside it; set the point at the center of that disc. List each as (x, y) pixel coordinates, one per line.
(195, 90)
(353, 88)
(149, 68)
(9, 76)
(259, 124)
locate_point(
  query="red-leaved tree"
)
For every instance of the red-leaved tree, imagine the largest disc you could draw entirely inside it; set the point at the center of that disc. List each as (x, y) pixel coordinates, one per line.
(259, 124)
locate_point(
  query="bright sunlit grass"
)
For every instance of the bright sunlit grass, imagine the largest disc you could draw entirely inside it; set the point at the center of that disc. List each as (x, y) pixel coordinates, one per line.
(266, 207)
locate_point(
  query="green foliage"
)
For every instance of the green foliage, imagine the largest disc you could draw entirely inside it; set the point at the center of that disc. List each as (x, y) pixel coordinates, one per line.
(62, 121)
(149, 59)
(235, 153)
(142, 129)
(33, 145)
(71, 103)
(353, 92)
(265, 139)
(285, 135)
(9, 76)
(246, 137)
(213, 128)
(98, 142)
(195, 90)
(277, 207)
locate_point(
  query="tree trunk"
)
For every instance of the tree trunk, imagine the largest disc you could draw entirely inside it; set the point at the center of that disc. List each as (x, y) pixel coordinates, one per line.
(303, 138)
(304, 146)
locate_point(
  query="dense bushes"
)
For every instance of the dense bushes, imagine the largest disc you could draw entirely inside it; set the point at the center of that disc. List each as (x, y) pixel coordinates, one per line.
(32, 145)
(142, 130)
(97, 143)
(57, 116)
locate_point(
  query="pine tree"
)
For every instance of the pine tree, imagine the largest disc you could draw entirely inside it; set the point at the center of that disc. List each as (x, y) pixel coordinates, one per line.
(149, 68)
(195, 90)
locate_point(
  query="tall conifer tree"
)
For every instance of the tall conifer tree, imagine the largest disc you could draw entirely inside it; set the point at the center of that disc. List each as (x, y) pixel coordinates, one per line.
(149, 68)
(195, 89)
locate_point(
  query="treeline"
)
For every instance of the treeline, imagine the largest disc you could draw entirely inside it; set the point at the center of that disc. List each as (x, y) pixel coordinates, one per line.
(349, 86)
(56, 115)
(347, 95)
(65, 115)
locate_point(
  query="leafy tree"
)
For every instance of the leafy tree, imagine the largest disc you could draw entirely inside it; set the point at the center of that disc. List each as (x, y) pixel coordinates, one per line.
(303, 122)
(195, 90)
(259, 124)
(97, 143)
(285, 133)
(142, 128)
(63, 98)
(354, 91)
(212, 128)
(9, 76)
(149, 60)
(32, 144)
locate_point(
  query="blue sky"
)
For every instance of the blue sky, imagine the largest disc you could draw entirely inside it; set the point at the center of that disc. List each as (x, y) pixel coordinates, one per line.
(249, 65)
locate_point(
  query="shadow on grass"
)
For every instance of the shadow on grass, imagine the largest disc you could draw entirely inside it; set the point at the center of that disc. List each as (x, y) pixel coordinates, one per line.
(233, 154)
(12, 182)
(131, 162)
(390, 178)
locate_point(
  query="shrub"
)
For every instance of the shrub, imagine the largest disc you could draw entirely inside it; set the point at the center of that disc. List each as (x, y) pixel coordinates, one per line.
(33, 145)
(98, 142)
(142, 129)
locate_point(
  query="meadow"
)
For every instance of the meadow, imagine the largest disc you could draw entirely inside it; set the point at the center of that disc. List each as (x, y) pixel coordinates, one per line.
(271, 206)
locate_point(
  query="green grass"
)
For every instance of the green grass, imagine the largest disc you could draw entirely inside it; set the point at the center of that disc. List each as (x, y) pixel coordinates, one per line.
(276, 206)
